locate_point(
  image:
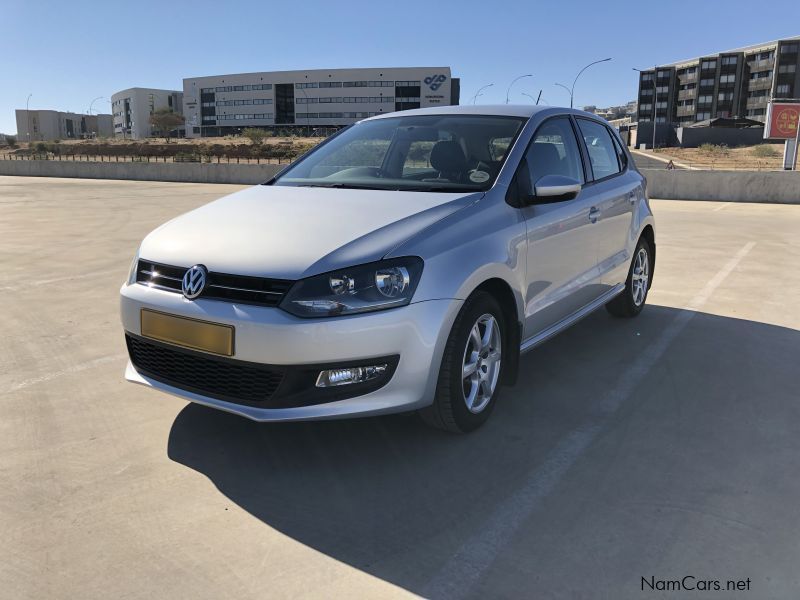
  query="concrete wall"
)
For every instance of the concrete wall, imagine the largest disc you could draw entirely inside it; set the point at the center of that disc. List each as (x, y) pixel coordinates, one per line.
(779, 187)
(187, 172)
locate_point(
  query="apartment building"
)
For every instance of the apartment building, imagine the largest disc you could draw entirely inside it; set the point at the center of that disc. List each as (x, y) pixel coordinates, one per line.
(49, 125)
(132, 108)
(225, 104)
(734, 83)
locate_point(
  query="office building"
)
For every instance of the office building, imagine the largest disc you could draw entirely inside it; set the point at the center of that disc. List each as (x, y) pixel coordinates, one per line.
(132, 108)
(734, 83)
(49, 125)
(225, 104)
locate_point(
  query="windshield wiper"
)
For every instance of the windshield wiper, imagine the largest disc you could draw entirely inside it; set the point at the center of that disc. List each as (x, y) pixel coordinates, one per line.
(349, 186)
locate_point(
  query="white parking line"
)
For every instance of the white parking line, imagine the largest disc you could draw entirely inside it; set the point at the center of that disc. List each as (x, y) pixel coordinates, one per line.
(721, 206)
(467, 566)
(73, 369)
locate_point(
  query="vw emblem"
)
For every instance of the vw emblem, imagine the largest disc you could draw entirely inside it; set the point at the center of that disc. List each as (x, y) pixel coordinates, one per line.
(194, 281)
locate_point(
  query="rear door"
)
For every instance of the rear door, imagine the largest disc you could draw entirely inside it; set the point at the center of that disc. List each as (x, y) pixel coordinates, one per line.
(614, 190)
(562, 274)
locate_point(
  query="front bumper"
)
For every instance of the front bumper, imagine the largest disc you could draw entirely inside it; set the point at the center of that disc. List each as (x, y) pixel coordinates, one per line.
(416, 333)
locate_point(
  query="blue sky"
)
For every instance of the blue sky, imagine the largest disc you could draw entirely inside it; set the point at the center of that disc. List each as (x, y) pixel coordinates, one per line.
(66, 54)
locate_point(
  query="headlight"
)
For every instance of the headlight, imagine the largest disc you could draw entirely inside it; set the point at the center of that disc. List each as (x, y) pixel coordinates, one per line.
(132, 270)
(364, 288)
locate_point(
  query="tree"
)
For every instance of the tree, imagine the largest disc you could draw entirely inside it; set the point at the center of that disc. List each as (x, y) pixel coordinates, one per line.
(255, 135)
(165, 120)
(11, 141)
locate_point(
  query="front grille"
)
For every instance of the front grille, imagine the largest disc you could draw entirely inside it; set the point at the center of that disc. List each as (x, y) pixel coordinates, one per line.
(223, 378)
(243, 289)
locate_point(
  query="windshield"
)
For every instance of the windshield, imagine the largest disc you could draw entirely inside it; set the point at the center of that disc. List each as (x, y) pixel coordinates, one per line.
(436, 153)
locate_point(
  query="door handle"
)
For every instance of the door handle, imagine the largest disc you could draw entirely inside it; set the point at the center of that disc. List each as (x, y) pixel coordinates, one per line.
(594, 214)
(632, 196)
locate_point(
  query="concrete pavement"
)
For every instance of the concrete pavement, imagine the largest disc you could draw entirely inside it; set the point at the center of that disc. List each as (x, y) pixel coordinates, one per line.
(660, 447)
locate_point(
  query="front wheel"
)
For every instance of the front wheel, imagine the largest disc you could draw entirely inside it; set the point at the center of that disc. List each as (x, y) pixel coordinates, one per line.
(631, 301)
(470, 375)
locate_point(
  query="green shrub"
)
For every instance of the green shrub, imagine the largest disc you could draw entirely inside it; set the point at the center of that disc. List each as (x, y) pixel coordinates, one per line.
(11, 141)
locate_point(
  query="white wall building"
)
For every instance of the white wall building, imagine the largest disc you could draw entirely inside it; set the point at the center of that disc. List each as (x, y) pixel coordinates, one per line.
(132, 108)
(49, 125)
(225, 104)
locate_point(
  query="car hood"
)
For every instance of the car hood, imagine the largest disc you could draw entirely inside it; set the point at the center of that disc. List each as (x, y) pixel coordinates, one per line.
(293, 232)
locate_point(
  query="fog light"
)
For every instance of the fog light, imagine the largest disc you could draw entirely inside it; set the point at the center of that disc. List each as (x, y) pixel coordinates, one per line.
(334, 377)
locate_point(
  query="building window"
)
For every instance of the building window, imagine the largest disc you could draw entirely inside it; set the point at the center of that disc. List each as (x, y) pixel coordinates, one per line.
(310, 84)
(706, 83)
(789, 48)
(661, 119)
(725, 96)
(728, 60)
(708, 64)
(782, 90)
(662, 89)
(787, 68)
(645, 107)
(756, 112)
(647, 92)
(702, 116)
(330, 84)
(761, 75)
(688, 86)
(661, 105)
(706, 99)
(730, 78)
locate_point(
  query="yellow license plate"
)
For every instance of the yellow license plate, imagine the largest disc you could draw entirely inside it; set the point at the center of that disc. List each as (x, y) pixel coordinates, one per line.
(186, 332)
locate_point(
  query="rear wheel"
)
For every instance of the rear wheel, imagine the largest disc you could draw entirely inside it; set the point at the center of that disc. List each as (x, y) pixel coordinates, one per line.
(470, 375)
(631, 301)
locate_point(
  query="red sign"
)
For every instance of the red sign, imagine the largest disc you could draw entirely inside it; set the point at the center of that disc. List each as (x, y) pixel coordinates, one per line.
(782, 120)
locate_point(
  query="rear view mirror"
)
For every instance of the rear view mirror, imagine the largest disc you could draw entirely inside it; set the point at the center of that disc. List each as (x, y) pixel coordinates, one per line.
(555, 188)
(418, 134)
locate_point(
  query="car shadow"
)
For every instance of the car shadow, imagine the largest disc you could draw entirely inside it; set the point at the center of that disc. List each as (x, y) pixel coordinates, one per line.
(395, 499)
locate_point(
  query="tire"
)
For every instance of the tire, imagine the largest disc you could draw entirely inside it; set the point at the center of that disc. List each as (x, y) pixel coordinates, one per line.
(455, 393)
(631, 301)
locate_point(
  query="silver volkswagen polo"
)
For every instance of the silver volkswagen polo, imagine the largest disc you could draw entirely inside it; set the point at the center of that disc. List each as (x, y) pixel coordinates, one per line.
(403, 264)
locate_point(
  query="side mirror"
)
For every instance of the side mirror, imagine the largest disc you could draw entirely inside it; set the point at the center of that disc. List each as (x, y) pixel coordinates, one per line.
(555, 188)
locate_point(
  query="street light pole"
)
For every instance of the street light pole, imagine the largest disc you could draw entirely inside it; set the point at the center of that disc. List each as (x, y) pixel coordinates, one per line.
(92, 103)
(480, 90)
(572, 92)
(28, 117)
(655, 101)
(508, 91)
(568, 91)
(529, 96)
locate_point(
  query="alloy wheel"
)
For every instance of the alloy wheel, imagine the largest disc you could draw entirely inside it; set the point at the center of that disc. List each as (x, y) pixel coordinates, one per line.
(481, 364)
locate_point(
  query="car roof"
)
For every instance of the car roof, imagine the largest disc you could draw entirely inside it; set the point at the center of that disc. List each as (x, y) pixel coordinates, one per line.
(500, 110)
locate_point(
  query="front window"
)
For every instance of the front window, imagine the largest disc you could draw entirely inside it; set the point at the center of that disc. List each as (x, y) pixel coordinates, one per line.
(438, 153)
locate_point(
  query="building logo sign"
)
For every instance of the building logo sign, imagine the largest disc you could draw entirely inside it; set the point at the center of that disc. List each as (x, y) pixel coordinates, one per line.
(435, 81)
(782, 120)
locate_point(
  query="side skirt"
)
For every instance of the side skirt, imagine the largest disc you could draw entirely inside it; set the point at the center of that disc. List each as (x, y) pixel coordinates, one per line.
(546, 334)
